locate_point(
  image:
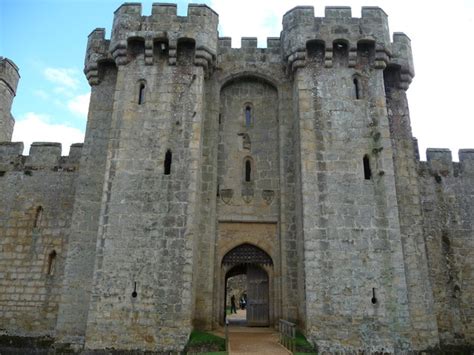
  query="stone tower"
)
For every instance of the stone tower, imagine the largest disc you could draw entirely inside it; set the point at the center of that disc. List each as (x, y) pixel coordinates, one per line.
(136, 218)
(293, 165)
(8, 83)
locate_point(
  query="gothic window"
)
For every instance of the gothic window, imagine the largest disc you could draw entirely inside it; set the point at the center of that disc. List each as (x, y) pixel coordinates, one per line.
(38, 217)
(141, 93)
(51, 263)
(168, 158)
(367, 172)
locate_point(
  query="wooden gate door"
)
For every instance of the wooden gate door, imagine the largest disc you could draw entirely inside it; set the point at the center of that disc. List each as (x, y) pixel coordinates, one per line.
(257, 296)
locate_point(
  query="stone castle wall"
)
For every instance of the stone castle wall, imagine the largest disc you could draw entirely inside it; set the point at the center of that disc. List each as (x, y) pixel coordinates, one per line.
(35, 216)
(448, 215)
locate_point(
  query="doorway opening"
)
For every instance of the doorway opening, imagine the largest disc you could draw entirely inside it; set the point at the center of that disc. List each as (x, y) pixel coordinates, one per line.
(236, 295)
(247, 286)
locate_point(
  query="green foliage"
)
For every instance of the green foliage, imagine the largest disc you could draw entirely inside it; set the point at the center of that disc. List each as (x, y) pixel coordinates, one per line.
(303, 346)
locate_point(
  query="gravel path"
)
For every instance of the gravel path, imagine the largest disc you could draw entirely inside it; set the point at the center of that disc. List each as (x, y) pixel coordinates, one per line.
(246, 340)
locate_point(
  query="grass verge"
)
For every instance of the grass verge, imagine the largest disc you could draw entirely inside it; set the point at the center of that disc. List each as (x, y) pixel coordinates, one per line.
(205, 343)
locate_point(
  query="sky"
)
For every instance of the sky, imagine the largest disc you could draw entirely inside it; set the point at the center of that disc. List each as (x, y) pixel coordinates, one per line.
(47, 40)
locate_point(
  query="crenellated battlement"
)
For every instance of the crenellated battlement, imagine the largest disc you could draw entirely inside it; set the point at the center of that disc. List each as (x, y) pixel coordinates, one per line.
(156, 36)
(338, 34)
(250, 42)
(363, 41)
(42, 156)
(439, 163)
(249, 50)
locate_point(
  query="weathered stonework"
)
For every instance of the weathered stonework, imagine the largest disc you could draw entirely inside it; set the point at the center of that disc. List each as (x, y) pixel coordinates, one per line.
(297, 160)
(8, 83)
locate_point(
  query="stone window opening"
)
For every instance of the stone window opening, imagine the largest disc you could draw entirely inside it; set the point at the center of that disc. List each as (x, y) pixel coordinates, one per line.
(248, 173)
(51, 263)
(248, 170)
(168, 160)
(141, 93)
(367, 171)
(38, 217)
(248, 116)
(356, 88)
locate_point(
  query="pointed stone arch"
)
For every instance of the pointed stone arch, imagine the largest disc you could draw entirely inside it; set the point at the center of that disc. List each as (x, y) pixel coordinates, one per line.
(257, 265)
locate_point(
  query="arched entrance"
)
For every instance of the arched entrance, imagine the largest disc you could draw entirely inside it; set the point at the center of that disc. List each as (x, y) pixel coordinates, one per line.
(256, 265)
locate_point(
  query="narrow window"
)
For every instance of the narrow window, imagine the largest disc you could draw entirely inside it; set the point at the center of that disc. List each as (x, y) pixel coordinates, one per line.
(168, 158)
(248, 170)
(51, 262)
(356, 88)
(248, 116)
(38, 217)
(141, 94)
(367, 172)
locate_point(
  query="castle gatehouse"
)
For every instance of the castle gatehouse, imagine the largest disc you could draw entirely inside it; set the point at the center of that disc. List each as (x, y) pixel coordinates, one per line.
(293, 165)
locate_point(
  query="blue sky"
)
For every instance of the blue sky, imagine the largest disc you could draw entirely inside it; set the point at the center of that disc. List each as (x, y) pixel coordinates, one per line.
(47, 40)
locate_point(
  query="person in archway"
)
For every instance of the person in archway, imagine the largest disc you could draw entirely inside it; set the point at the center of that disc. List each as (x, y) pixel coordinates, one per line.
(233, 308)
(243, 303)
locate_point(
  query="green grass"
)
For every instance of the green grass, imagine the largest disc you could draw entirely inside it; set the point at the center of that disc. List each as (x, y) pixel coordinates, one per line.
(205, 343)
(303, 346)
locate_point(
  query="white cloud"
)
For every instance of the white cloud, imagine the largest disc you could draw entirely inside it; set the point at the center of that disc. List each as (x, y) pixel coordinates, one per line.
(42, 94)
(34, 127)
(79, 105)
(63, 76)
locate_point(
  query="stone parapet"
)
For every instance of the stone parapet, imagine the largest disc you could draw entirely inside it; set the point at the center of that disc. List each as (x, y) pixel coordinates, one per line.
(160, 32)
(43, 156)
(439, 163)
(358, 37)
(336, 28)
